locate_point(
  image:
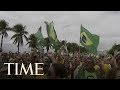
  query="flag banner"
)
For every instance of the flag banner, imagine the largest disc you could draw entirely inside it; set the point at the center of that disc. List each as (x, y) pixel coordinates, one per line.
(52, 35)
(89, 41)
(40, 39)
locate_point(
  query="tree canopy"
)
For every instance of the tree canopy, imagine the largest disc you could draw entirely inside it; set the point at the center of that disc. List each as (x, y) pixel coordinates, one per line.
(114, 48)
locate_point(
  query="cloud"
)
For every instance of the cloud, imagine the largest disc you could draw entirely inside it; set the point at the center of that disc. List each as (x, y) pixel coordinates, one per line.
(67, 24)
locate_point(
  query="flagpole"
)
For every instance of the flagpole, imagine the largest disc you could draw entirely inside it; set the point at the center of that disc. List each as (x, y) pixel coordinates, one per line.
(79, 42)
(79, 47)
(66, 46)
(65, 36)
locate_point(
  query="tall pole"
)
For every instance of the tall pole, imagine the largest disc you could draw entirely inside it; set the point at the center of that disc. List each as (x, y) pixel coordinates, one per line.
(79, 47)
(79, 42)
(66, 45)
(64, 35)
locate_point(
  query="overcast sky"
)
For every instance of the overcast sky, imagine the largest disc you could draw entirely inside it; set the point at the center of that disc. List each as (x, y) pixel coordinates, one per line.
(106, 24)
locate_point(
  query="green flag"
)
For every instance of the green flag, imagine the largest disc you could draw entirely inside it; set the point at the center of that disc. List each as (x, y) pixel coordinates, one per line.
(88, 40)
(52, 35)
(40, 39)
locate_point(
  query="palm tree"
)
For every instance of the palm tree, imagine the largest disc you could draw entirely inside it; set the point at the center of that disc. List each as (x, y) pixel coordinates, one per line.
(4, 27)
(32, 41)
(20, 32)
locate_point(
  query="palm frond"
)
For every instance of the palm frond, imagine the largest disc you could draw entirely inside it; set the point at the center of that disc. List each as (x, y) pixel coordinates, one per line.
(9, 29)
(27, 43)
(14, 36)
(13, 29)
(15, 41)
(25, 32)
(5, 34)
(18, 28)
(3, 24)
(26, 38)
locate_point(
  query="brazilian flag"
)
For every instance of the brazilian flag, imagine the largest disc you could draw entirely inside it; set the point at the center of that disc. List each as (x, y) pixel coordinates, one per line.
(40, 39)
(52, 35)
(89, 41)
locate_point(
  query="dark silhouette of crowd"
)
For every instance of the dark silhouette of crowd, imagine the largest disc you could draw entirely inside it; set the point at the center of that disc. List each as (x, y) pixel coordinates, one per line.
(63, 66)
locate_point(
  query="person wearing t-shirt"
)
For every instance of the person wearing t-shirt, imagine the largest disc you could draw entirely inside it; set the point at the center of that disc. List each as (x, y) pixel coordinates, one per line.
(87, 71)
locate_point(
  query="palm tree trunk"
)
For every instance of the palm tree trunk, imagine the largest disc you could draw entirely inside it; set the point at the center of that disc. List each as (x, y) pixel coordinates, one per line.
(18, 47)
(1, 42)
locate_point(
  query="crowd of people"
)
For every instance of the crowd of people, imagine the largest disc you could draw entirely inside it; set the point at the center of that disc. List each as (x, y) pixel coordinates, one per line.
(63, 66)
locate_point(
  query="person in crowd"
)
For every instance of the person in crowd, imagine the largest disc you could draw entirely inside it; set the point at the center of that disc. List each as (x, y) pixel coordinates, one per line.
(87, 70)
(63, 66)
(56, 70)
(115, 72)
